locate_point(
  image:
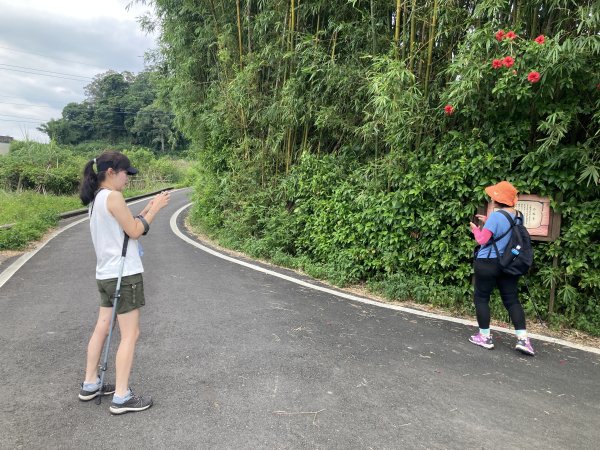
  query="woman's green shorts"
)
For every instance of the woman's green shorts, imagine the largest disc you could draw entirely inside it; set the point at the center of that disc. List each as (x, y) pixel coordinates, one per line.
(132, 293)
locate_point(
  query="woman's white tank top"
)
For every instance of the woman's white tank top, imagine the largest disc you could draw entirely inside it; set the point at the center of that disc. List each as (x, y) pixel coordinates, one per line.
(107, 236)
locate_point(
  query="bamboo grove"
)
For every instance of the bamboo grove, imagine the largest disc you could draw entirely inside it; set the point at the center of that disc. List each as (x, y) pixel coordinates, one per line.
(354, 137)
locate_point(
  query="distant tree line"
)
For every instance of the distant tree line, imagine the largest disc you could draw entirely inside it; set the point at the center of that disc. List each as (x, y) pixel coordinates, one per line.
(119, 108)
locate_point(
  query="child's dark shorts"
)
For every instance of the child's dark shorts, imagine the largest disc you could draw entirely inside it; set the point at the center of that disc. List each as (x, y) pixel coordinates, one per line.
(132, 293)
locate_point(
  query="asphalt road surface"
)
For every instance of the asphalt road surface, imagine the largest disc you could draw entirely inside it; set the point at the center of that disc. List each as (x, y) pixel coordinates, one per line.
(239, 359)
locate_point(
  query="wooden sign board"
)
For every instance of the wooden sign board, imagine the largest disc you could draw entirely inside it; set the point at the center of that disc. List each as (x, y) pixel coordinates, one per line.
(542, 223)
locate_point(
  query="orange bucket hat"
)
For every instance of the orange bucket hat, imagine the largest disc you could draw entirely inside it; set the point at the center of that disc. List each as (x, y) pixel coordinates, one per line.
(503, 192)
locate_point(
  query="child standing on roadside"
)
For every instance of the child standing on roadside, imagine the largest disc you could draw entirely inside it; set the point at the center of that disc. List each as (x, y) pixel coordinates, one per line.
(110, 219)
(488, 273)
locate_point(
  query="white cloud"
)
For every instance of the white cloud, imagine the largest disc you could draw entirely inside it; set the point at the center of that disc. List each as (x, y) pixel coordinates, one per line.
(78, 9)
(74, 39)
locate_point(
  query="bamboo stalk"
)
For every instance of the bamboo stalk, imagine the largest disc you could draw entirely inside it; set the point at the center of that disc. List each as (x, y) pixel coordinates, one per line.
(335, 33)
(248, 17)
(397, 27)
(422, 36)
(551, 17)
(245, 128)
(319, 143)
(239, 27)
(515, 13)
(405, 30)
(534, 20)
(263, 152)
(373, 35)
(288, 156)
(292, 23)
(305, 137)
(217, 34)
(432, 34)
(413, 25)
(283, 34)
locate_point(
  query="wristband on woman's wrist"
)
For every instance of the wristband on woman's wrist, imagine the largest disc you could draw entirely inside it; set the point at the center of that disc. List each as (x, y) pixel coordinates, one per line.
(145, 223)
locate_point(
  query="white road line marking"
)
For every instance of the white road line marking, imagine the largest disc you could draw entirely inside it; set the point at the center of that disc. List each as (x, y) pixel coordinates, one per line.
(185, 238)
(20, 262)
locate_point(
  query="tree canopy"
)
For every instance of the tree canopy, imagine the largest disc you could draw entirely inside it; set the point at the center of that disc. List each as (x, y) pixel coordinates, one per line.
(120, 107)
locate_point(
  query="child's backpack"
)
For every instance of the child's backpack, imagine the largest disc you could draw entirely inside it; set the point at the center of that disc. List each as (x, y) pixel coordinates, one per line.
(518, 255)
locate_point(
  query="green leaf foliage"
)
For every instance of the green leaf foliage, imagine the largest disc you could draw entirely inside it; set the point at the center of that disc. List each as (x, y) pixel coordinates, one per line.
(322, 141)
(39, 181)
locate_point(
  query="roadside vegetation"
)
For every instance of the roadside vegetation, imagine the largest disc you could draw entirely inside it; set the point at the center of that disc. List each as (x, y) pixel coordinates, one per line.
(40, 181)
(353, 139)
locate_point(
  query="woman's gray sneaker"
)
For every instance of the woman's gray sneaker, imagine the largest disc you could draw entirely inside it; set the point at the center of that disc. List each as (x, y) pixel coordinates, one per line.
(135, 403)
(86, 396)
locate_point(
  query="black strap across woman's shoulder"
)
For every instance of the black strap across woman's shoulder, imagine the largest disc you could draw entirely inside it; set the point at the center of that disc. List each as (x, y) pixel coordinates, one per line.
(511, 221)
(94, 201)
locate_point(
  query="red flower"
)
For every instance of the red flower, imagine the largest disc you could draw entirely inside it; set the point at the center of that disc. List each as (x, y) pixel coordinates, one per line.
(540, 39)
(499, 35)
(449, 110)
(508, 61)
(497, 63)
(533, 76)
(511, 35)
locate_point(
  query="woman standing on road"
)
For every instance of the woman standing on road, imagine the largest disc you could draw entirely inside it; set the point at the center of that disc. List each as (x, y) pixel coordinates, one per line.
(488, 273)
(110, 218)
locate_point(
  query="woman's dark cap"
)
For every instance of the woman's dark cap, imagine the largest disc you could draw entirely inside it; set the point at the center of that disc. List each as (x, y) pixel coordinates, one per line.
(122, 164)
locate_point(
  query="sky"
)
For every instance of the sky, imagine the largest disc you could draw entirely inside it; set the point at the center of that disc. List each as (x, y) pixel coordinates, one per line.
(51, 50)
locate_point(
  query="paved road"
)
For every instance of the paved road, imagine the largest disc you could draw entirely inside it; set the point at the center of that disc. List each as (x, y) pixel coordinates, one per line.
(239, 359)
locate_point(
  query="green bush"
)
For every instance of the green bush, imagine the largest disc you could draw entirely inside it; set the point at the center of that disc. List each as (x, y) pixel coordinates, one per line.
(358, 169)
(33, 214)
(41, 180)
(48, 168)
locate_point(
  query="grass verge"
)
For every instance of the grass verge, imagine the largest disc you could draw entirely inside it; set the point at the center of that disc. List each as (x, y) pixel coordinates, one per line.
(33, 214)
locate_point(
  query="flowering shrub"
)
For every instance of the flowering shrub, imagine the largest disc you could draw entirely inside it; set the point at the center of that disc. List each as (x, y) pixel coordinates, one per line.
(541, 131)
(533, 76)
(389, 196)
(497, 64)
(508, 61)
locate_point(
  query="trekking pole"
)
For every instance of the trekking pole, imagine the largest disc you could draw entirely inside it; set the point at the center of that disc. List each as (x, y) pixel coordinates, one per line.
(104, 365)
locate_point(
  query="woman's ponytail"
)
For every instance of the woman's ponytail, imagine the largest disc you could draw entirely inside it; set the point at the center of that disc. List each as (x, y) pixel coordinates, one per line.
(89, 183)
(92, 180)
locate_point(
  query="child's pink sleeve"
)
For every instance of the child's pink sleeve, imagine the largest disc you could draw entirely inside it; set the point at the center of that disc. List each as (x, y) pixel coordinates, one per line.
(482, 236)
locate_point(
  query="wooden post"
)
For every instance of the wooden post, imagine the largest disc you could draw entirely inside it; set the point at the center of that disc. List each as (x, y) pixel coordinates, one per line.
(552, 287)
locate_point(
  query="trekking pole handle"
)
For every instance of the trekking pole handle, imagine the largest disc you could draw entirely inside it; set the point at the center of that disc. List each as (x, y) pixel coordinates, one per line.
(125, 242)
